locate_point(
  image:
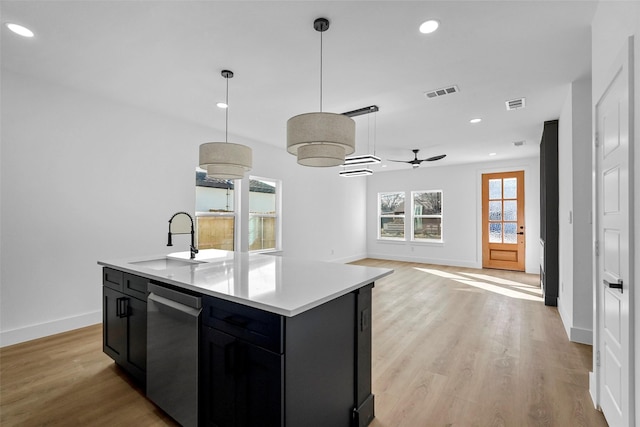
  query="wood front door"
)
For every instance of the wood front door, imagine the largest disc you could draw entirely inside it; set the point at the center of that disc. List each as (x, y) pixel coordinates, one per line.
(503, 220)
(614, 259)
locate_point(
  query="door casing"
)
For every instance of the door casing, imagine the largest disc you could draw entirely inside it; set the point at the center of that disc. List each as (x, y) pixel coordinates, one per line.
(508, 256)
(623, 68)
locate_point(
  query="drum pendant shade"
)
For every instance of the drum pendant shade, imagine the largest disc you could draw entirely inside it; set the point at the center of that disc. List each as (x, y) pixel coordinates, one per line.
(225, 160)
(321, 139)
(225, 156)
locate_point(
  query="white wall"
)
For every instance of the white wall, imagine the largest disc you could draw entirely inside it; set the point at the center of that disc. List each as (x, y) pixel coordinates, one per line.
(575, 297)
(109, 176)
(462, 207)
(613, 23)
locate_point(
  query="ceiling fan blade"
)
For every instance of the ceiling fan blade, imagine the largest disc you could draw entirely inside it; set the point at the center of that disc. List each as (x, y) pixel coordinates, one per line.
(434, 158)
(400, 161)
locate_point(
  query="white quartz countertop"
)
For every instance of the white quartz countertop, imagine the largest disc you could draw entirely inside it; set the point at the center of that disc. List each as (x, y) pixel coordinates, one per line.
(281, 285)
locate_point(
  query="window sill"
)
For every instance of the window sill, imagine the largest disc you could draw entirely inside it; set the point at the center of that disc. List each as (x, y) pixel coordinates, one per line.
(427, 242)
(411, 242)
(392, 241)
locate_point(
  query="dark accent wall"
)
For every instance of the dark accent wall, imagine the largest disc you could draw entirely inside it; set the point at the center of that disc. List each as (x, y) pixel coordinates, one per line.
(549, 226)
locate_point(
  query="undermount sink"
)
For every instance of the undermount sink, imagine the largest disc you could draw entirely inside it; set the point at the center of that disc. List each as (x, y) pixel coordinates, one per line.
(164, 263)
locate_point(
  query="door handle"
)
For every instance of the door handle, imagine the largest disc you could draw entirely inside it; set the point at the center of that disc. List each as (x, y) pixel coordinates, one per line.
(617, 285)
(520, 232)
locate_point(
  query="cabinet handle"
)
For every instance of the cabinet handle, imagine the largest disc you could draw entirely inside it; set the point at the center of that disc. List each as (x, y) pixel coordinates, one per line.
(617, 285)
(122, 307)
(237, 321)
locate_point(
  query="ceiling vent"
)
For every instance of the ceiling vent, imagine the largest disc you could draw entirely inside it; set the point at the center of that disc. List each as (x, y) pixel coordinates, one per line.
(441, 92)
(518, 143)
(515, 104)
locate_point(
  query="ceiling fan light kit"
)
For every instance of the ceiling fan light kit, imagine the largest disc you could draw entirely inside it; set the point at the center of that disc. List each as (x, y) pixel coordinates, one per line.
(416, 161)
(225, 160)
(321, 139)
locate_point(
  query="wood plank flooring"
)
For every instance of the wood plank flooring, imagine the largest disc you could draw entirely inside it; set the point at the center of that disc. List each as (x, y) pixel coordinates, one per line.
(451, 347)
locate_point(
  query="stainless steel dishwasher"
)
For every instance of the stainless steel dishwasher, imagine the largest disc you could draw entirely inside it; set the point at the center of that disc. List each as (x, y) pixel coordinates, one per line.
(173, 322)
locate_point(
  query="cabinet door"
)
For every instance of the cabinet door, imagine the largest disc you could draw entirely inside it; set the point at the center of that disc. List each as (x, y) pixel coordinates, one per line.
(114, 330)
(125, 332)
(242, 383)
(259, 400)
(136, 356)
(217, 380)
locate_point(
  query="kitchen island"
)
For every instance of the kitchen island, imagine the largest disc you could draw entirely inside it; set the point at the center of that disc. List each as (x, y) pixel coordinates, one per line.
(278, 341)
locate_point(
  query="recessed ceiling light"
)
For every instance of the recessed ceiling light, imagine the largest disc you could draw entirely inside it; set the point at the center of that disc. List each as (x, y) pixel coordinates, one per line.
(222, 105)
(492, 154)
(478, 120)
(20, 30)
(429, 26)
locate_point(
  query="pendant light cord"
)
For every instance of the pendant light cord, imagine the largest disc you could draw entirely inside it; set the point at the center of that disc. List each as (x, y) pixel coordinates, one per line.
(226, 114)
(375, 126)
(321, 71)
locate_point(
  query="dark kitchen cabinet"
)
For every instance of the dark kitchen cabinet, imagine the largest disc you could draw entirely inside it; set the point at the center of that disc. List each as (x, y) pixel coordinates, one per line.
(549, 222)
(125, 321)
(312, 369)
(242, 382)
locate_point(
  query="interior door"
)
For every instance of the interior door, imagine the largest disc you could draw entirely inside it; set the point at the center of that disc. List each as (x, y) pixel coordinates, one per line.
(503, 242)
(613, 255)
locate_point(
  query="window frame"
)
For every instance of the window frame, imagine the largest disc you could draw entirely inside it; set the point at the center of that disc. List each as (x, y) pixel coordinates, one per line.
(414, 216)
(237, 188)
(381, 216)
(277, 215)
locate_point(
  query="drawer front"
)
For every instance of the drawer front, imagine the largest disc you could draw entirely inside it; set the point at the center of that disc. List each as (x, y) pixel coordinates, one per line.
(112, 278)
(135, 286)
(250, 324)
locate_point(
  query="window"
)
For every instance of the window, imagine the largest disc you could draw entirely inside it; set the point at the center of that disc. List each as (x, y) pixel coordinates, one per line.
(391, 214)
(503, 210)
(215, 212)
(263, 214)
(427, 215)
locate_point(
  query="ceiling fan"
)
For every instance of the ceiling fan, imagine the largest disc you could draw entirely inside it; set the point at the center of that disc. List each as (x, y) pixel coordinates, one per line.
(416, 161)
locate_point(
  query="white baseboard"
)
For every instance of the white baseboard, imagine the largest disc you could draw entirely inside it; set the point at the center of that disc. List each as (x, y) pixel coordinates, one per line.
(579, 335)
(565, 318)
(349, 259)
(593, 392)
(449, 262)
(31, 332)
(582, 336)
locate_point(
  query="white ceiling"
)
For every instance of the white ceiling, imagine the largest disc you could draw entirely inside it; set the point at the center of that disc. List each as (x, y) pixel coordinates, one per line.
(166, 56)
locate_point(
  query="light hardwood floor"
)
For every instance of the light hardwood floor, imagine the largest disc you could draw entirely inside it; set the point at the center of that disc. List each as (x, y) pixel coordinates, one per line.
(451, 347)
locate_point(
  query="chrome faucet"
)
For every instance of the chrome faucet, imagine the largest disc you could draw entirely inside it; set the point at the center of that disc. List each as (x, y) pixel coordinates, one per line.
(192, 248)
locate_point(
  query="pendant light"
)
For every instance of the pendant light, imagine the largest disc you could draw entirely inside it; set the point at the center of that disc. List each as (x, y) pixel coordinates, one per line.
(321, 139)
(355, 172)
(365, 159)
(225, 160)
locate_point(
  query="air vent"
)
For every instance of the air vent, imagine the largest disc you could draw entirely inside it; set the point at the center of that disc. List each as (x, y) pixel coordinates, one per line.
(515, 104)
(518, 143)
(441, 92)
